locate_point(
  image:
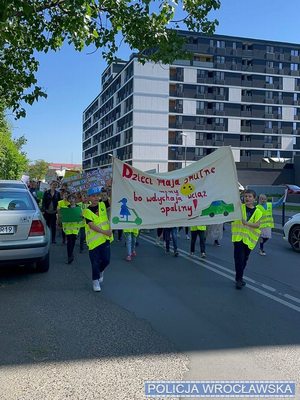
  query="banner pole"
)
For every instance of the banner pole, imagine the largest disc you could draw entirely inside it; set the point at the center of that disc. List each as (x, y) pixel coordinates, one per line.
(112, 174)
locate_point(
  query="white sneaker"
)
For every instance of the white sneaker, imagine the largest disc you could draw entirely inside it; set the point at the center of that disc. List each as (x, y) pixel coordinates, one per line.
(96, 286)
(101, 277)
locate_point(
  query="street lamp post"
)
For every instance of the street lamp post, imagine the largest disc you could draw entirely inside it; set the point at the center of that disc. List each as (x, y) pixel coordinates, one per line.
(185, 137)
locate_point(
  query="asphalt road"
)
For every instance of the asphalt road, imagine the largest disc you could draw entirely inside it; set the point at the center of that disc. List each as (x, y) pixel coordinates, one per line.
(157, 318)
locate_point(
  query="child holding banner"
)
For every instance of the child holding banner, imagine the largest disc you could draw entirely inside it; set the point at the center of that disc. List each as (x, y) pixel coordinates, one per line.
(71, 221)
(171, 232)
(130, 236)
(245, 235)
(200, 231)
(98, 236)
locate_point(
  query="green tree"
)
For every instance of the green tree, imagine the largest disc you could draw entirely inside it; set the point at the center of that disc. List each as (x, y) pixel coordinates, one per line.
(38, 170)
(31, 26)
(13, 161)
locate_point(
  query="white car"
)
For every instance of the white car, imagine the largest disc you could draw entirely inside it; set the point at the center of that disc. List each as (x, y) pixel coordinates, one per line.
(291, 232)
(24, 235)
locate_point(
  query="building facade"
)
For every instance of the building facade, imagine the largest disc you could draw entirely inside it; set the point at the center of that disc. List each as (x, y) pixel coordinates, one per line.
(233, 91)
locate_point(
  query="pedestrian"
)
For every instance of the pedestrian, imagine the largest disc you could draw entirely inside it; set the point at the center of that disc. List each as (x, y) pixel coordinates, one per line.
(83, 202)
(168, 234)
(186, 230)
(50, 201)
(245, 235)
(267, 221)
(159, 235)
(62, 204)
(130, 237)
(98, 236)
(71, 229)
(199, 230)
(215, 233)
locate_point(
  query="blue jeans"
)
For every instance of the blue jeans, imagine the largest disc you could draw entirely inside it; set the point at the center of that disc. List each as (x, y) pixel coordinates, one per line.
(100, 259)
(168, 233)
(130, 242)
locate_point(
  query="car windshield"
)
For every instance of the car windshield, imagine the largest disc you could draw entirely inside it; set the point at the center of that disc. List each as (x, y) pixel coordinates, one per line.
(15, 200)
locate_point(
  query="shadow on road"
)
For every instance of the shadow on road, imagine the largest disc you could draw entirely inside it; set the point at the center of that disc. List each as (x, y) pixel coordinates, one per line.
(154, 305)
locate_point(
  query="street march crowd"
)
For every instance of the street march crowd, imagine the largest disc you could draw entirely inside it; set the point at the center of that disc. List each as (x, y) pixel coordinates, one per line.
(85, 215)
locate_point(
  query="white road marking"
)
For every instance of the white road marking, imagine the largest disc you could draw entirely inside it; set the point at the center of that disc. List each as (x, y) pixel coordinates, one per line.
(204, 263)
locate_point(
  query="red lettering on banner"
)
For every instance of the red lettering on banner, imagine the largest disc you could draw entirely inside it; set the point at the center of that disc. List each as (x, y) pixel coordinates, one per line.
(129, 174)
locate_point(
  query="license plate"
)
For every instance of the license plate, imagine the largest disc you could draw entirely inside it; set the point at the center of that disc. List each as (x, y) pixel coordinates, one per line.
(7, 229)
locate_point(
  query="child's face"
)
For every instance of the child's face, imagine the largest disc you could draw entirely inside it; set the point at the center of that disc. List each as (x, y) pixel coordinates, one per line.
(249, 198)
(72, 199)
(262, 199)
(94, 199)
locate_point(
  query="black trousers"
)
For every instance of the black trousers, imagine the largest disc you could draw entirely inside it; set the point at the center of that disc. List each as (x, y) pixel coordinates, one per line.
(241, 255)
(71, 239)
(202, 236)
(51, 222)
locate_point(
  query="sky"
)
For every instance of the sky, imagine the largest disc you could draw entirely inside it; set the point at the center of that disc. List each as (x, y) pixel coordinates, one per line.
(53, 127)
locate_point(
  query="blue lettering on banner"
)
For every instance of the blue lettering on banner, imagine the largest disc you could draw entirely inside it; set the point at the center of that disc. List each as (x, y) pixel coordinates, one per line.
(220, 389)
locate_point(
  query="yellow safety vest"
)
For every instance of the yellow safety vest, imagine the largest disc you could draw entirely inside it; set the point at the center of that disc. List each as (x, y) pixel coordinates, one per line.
(71, 228)
(93, 238)
(244, 233)
(267, 220)
(135, 231)
(63, 204)
(198, 228)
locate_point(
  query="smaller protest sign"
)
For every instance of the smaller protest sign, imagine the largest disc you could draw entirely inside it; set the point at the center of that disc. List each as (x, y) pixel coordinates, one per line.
(71, 214)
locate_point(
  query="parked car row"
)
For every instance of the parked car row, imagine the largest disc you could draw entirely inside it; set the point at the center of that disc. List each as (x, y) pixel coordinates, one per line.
(24, 235)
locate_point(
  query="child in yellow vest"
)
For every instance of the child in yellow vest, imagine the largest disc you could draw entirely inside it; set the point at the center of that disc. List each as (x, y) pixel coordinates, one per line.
(98, 236)
(62, 204)
(245, 235)
(200, 231)
(71, 230)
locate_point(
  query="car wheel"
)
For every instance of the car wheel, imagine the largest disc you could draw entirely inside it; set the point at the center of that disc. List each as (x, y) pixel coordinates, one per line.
(212, 214)
(43, 265)
(225, 213)
(294, 237)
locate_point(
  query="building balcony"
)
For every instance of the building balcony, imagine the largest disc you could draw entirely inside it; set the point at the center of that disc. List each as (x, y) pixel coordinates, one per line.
(245, 128)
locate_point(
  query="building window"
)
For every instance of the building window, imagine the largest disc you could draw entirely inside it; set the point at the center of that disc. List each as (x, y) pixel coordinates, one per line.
(270, 64)
(267, 153)
(294, 67)
(269, 95)
(221, 44)
(269, 124)
(234, 45)
(280, 65)
(268, 110)
(269, 80)
(200, 107)
(279, 111)
(220, 75)
(280, 96)
(219, 106)
(270, 49)
(199, 151)
(295, 53)
(220, 60)
(219, 121)
(199, 136)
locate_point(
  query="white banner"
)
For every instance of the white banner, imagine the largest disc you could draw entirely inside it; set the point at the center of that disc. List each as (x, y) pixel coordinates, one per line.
(204, 193)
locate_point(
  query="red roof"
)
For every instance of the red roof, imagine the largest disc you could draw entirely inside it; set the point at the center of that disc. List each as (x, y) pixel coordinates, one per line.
(64, 166)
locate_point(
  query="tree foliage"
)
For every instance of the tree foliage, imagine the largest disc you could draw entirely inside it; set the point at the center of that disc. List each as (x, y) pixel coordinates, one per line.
(13, 161)
(43, 25)
(38, 170)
